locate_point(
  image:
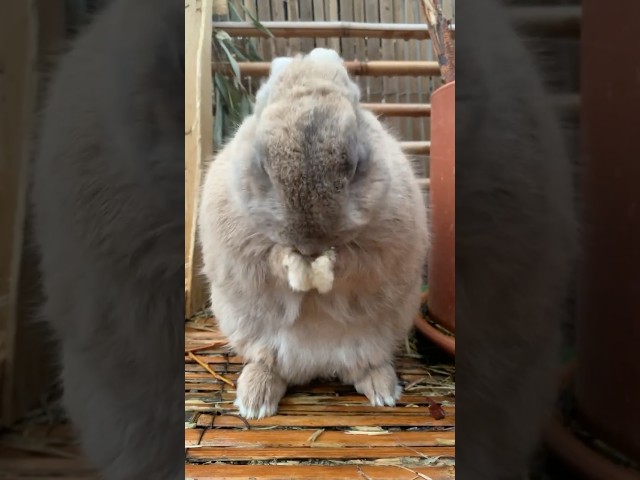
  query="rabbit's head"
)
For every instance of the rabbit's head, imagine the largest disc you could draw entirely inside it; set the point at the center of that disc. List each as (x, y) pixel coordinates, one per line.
(312, 182)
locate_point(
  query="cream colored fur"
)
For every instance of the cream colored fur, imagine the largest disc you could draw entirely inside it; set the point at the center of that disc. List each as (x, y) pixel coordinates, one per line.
(344, 313)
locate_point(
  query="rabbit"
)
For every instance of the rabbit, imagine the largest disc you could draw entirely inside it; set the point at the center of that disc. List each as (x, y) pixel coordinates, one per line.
(517, 242)
(107, 196)
(313, 233)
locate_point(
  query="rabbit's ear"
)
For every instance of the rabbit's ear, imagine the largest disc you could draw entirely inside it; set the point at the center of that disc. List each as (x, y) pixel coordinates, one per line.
(278, 65)
(325, 54)
(354, 90)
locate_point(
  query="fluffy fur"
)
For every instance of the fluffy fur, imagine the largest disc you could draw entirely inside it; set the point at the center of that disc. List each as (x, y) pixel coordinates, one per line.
(308, 172)
(108, 197)
(516, 243)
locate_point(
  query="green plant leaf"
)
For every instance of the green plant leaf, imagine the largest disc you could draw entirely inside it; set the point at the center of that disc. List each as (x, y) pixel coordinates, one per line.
(251, 50)
(233, 100)
(237, 52)
(222, 84)
(218, 130)
(232, 61)
(255, 21)
(222, 36)
(245, 107)
(235, 16)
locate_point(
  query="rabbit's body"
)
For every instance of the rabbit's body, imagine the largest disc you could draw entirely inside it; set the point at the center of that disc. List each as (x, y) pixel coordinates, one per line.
(516, 240)
(291, 337)
(108, 205)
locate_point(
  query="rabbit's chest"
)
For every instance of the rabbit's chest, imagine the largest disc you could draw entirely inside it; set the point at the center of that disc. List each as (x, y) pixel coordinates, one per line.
(324, 342)
(320, 350)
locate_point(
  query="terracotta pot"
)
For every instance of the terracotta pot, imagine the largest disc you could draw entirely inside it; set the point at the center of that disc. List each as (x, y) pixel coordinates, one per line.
(441, 266)
(607, 372)
(608, 332)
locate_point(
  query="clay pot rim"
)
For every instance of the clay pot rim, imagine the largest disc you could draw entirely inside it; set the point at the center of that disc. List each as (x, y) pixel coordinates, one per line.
(582, 459)
(446, 342)
(444, 87)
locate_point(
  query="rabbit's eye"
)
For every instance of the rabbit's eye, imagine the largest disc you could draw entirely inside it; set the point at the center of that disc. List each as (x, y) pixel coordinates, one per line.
(263, 167)
(361, 164)
(260, 173)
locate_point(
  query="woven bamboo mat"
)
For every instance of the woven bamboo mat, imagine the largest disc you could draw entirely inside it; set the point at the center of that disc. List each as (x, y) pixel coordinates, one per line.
(323, 431)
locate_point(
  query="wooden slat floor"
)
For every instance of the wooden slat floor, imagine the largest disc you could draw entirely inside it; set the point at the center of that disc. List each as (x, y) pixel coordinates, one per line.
(322, 431)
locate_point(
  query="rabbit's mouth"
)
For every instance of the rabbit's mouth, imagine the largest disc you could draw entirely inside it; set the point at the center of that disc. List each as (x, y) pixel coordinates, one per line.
(315, 249)
(310, 249)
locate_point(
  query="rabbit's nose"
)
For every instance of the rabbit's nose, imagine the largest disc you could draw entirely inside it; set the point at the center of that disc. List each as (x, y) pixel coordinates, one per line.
(309, 249)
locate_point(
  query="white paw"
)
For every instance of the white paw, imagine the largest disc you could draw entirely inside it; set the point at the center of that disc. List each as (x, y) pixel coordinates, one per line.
(298, 273)
(380, 386)
(322, 272)
(259, 392)
(252, 411)
(385, 398)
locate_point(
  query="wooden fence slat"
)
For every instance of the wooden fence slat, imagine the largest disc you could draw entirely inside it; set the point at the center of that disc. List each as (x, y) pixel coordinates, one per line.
(399, 47)
(278, 17)
(550, 20)
(416, 148)
(374, 52)
(347, 43)
(282, 30)
(268, 45)
(360, 52)
(357, 67)
(425, 83)
(389, 82)
(293, 15)
(399, 109)
(414, 129)
(198, 136)
(333, 15)
(320, 15)
(305, 13)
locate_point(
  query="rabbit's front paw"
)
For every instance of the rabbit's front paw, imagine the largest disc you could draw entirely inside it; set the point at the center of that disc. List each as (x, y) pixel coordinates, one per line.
(380, 385)
(299, 272)
(259, 392)
(322, 271)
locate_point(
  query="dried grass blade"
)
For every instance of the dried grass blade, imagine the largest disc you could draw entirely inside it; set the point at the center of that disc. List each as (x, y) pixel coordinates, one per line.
(208, 369)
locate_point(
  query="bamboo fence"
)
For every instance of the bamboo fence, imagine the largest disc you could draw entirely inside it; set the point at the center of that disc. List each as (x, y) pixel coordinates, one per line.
(386, 47)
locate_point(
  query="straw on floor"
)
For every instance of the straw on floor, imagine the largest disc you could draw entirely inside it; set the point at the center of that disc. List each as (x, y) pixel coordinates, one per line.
(324, 430)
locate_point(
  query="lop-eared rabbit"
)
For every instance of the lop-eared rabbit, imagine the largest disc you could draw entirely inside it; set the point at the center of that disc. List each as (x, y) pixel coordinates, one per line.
(314, 237)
